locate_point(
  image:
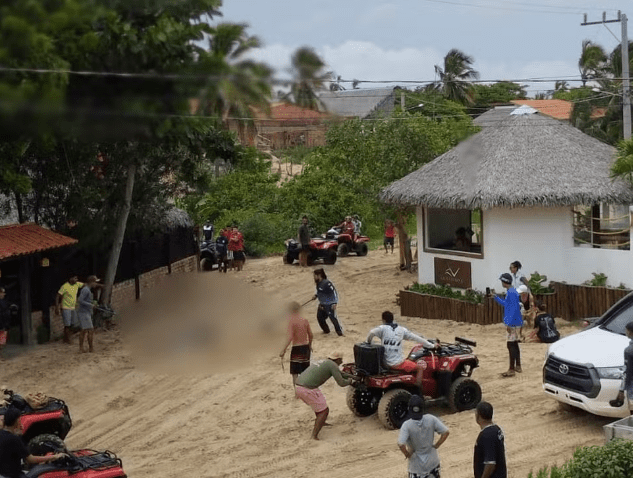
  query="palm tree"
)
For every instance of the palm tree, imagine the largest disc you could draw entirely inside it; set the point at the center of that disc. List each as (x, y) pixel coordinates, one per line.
(307, 69)
(456, 76)
(592, 61)
(240, 83)
(561, 85)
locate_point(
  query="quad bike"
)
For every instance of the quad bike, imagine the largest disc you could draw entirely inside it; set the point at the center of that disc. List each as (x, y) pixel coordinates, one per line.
(320, 248)
(447, 379)
(103, 316)
(346, 243)
(84, 463)
(50, 423)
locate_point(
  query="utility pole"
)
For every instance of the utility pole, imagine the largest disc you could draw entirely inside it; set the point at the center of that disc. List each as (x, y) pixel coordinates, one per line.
(626, 81)
(402, 100)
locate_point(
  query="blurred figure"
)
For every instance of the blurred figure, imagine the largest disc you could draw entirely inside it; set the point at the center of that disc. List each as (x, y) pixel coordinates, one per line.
(299, 334)
(328, 301)
(65, 303)
(5, 319)
(304, 240)
(489, 459)
(390, 234)
(84, 313)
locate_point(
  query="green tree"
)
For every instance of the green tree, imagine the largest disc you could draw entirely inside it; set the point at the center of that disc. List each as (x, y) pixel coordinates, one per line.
(242, 83)
(623, 165)
(455, 78)
(501, 92)
(309, 77)
(592, 61)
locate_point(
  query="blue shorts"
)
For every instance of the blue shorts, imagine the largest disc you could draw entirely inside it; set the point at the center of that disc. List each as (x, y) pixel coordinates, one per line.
(69, 316)
(85, 320)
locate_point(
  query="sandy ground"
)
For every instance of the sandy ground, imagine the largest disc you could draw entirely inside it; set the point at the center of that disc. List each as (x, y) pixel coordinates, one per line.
(193, 385)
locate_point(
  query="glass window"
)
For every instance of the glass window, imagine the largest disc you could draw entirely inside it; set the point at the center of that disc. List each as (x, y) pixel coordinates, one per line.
(454, 231)
(603, 226)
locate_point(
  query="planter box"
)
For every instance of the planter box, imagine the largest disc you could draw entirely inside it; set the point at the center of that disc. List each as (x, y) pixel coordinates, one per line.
(619, 429)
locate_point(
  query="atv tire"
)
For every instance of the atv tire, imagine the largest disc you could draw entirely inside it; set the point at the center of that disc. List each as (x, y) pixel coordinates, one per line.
(343, 250)
(330, 257)
(362, 401)
(287, 259)
(393, 408)
(362, 249)
(40, 445)
(464, 394)
(206, 264)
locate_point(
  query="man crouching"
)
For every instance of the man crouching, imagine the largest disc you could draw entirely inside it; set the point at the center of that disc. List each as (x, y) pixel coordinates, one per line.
(308, 383)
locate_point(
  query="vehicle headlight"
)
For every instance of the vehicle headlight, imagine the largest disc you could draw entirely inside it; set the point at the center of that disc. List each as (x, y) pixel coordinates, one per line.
(612, 373)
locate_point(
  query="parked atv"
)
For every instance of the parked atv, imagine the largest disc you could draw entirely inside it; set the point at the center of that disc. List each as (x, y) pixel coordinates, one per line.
(49, 423)
(320, 248)
(445, 380)
(79, 464)
(345, 244)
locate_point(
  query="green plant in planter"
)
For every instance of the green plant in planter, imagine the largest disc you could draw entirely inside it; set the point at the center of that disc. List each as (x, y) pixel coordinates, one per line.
(537, 286)
(599, 280)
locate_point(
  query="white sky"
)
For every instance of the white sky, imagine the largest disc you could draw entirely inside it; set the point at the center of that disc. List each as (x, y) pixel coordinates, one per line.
(399, 40)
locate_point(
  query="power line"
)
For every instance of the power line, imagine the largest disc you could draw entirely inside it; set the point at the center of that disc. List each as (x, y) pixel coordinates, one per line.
(575, 11)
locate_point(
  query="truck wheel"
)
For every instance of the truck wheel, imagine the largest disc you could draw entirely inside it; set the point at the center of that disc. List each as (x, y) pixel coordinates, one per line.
(330, 257)
(464, 394)
(393, 408)
(362, 401)
(362, 249)
(343, 250)
(288, 259)
(46, 443)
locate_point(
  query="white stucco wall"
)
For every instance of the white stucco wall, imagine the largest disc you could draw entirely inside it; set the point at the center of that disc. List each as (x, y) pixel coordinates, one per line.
(542, 240)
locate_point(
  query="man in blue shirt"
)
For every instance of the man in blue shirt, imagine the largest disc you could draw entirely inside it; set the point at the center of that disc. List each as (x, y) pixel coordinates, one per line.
(513, 321)
(328, 300)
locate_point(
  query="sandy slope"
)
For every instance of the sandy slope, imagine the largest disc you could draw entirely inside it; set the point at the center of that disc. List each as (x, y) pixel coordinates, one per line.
(215, 402)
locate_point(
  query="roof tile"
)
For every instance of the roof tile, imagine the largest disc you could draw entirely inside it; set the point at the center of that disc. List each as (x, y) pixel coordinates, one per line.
(24, 239)
(557, 109)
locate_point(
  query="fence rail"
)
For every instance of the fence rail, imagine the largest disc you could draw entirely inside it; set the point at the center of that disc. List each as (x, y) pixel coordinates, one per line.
(570, 302)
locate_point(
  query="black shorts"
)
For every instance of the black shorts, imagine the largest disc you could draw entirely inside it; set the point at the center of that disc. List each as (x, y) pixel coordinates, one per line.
(299, 358)
(239, 256)
(388, 241)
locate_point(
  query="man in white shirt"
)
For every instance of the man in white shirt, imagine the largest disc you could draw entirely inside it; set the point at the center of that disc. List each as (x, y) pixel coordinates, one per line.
(391, 336)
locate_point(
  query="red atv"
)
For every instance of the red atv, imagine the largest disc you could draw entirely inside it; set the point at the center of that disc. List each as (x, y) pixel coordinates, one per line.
(79, 464)
(320, 248)
(345, 243)
(51, 422)
(445, 380)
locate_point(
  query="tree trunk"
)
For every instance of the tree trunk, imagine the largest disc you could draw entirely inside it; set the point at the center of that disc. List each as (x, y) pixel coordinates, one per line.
(403, 240)
(20, 207)
(115, 252)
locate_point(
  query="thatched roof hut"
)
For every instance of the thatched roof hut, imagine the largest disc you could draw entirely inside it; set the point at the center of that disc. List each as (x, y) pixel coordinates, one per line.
(516, 160)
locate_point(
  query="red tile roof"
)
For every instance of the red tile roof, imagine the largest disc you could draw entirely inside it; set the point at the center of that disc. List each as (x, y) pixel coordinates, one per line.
(288, 112)
(24, 239)
(557, 109)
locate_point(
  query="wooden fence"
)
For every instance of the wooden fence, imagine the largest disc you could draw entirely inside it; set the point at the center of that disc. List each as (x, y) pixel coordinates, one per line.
(570, 302)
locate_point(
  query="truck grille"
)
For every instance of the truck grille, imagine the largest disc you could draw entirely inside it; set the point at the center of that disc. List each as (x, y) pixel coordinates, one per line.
(571, 376)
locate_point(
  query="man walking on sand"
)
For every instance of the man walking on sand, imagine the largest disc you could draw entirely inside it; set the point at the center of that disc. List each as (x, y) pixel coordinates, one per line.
(490, 455)
(65, 303)
(300, 335)
(328, 302)
(84, 313)
(308, 383)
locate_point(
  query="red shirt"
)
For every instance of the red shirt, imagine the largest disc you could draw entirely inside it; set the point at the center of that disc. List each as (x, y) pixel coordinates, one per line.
(236, 241)
(390, 231)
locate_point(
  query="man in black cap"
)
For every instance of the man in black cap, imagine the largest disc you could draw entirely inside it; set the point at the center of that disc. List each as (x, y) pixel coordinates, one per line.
(13, 451)
(416, 440)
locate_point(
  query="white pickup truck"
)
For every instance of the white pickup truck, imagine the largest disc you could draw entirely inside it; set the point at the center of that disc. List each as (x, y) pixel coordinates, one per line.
(585, 369)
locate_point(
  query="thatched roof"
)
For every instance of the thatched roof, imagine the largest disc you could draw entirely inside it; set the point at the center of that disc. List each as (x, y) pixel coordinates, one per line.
(175, 218)
(516, 161)
(362, 103)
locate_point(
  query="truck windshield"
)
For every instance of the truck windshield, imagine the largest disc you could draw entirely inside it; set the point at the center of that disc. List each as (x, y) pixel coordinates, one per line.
(617, 323)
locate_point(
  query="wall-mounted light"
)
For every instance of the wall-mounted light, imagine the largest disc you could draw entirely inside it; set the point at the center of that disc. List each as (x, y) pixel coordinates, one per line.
(45, 262)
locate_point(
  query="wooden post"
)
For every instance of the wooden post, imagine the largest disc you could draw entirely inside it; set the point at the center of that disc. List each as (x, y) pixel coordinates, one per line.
(25, 301)
(167, 243)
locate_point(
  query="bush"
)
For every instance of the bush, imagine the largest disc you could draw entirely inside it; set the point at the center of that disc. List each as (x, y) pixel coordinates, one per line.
(470, 295)
(613, 460)
(599, 280)
(536, 284)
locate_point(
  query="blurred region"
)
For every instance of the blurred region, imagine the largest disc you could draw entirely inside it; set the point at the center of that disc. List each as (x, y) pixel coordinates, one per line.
(203, 323)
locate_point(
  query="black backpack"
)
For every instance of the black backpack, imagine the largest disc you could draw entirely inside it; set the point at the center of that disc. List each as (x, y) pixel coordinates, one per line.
(547, 329)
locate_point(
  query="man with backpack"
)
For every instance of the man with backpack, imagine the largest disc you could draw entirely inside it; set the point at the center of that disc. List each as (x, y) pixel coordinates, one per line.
(544, 327)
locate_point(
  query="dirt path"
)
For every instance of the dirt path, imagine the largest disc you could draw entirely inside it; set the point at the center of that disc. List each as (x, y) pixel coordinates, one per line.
(196, 388)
